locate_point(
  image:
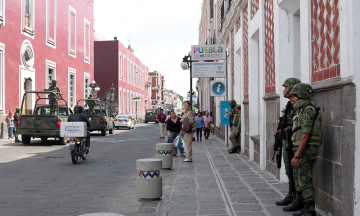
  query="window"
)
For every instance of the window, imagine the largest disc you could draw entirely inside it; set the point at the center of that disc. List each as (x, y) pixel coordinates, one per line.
(50, 72)
(86, 41)
(133, 76)
(28, 17)
(72, 87)
(86, 85)
(120, 103)
(131, 73)
(72, 31)
(2, 50)
(124, 98)
(128, 71)
(128, 103)
(51, 22)
(2, 12)
(120, 66)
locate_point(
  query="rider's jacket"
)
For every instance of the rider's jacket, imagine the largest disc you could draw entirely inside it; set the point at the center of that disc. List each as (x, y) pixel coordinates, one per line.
(78, 117)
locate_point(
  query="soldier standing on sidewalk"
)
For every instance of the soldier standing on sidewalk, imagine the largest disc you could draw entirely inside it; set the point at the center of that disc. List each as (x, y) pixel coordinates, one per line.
(232, 112)
(289, 84)
(16, 118)
(307, 137)
(234, 137)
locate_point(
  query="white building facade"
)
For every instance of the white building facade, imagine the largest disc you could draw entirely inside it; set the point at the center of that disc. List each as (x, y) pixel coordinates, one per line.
(269, 41)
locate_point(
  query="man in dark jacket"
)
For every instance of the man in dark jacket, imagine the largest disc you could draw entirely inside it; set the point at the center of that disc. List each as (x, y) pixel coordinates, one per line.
(79, 117)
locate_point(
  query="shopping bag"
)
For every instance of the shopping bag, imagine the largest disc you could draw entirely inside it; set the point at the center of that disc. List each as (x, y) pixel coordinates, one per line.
(176, 141)
(183, 145)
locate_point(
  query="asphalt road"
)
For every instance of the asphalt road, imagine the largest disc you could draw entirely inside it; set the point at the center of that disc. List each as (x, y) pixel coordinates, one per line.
(40, 179)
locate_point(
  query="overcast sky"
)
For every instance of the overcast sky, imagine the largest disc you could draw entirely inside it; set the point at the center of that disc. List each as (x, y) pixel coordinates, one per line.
(160, 31)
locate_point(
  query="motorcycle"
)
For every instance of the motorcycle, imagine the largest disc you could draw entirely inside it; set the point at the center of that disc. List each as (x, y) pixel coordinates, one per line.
(77, 149)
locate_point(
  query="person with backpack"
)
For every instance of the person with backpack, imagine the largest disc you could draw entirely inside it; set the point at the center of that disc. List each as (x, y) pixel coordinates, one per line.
(307, 137)
(189, 127)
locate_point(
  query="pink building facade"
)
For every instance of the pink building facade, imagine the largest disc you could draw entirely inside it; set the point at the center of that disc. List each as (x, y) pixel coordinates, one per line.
(116, 64)
(41, 41)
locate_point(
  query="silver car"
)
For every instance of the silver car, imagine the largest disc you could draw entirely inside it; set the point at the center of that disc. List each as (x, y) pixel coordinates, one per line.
(124, 120)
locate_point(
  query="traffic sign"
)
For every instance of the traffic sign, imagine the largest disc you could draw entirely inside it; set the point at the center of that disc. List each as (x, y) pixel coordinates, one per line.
(217, 89)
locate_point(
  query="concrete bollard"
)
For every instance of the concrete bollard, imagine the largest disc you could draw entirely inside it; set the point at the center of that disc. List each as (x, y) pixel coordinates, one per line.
(164, 152)
(149, 182)
(174, 151)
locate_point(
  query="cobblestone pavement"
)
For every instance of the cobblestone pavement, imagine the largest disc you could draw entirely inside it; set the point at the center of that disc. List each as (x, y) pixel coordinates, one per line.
(39, 179)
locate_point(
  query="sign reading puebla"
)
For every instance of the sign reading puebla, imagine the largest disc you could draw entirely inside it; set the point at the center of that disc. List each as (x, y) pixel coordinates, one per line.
(208, 52)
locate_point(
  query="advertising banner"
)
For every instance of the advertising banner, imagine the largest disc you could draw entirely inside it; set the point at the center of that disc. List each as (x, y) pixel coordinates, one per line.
(208, 52)
(217, 89)
(208, 70)
(224, 116)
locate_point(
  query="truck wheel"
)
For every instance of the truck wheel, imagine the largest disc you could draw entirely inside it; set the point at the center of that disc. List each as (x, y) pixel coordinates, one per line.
(26, 139)
(62, 141)
(44, 139)
(103, 132)
(146, 121)
(111, 131)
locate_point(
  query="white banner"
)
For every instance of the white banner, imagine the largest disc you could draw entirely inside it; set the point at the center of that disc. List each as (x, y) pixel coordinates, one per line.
(208, 69)
(217, 89)
(208, 52)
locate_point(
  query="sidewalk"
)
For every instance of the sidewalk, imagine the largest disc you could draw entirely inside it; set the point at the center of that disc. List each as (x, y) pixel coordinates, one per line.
(218, 183)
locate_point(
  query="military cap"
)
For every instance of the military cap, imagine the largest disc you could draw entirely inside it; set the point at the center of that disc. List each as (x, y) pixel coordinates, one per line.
(238, 106)
(232, 103)
(290, 82)
(302, 90)
(54, 80)
(18, 109)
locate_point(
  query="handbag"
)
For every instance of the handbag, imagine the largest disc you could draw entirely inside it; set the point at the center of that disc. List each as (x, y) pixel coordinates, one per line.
(187, 126)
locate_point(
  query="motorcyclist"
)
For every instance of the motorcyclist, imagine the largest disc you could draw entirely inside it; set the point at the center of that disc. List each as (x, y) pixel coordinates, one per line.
(77, 116)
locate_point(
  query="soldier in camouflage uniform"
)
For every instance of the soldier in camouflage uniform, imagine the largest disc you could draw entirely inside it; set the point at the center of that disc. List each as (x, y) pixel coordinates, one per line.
(91, 105)
(232, 112)
(16, 118)
(307, 137)
(288, 85)
(52, 97)
(236, 128)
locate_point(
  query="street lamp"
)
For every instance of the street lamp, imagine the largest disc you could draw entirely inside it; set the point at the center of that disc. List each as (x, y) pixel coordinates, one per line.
(186, 64)
(136, 99)
(94, 88)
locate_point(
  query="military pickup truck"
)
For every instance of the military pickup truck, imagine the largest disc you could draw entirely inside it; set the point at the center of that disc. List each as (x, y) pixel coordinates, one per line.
(151, 116)
(101, 121)
(41, 124)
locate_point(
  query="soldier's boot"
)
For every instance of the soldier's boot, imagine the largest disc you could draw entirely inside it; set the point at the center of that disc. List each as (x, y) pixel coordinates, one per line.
(310, 209)
(231, 151)
(297, 205)
(17, 140)
(238, 150)
(301, 212)
(286, 201)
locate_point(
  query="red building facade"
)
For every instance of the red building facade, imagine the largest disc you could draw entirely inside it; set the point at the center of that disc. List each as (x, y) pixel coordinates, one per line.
(157, 89)
(41, 41)
(116, 64)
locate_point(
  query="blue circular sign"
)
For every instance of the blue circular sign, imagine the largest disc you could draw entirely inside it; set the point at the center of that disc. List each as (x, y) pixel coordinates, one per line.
(218, 88)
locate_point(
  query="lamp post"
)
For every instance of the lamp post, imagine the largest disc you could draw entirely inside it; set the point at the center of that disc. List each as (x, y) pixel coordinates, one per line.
(136, 99)
(186, 64)
(94, 88)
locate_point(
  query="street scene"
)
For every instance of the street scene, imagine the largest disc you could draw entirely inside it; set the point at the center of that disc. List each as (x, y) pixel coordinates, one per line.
(193, 107)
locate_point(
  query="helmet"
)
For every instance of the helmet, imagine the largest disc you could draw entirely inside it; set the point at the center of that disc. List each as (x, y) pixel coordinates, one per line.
(54, 81)
(78, 109)
(18, 109)
(238, 106)
(91, 96)
(302, 90)
(232, 103)
(290, 82)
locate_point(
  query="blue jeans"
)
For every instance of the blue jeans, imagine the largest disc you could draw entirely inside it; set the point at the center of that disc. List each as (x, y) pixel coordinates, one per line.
(173, 136)
(11, 132)
(87, 141)
(199, 130)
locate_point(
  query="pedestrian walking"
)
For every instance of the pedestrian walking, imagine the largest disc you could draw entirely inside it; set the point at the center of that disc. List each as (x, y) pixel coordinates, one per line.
(161, 118)
(199, 126)
(174, 129)
(189, 127)
(207, 126)
(10, 124)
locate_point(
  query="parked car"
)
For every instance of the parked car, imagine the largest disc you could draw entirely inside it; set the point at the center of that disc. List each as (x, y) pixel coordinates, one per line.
(124, 120)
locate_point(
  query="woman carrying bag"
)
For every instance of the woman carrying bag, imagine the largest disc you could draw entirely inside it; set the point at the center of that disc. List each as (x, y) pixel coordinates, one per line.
(174, 129)
(189, 128)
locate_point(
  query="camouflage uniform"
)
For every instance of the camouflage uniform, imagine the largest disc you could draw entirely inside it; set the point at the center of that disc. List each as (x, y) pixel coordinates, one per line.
(16, 117)
(236, 127)
(52, 97)
(306, 120)
(91, 105)
(233, 112)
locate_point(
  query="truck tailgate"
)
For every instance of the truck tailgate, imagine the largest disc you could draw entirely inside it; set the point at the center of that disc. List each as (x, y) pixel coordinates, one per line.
(38, 122)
